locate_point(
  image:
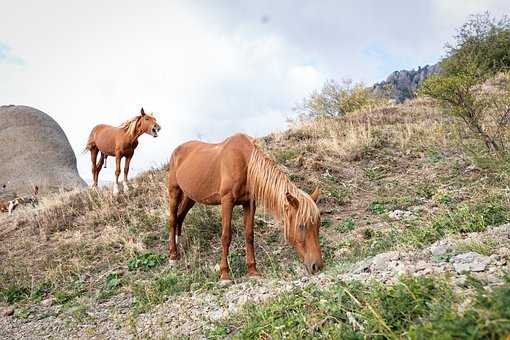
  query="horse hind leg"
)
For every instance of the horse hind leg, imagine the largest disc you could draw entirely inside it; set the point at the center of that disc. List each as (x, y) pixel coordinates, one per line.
(184, 207)
(93, 158)
(99, 166)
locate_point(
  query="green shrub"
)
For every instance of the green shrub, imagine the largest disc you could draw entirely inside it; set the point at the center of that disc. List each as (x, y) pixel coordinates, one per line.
(335, 100)
(145, 261)
(377, 208)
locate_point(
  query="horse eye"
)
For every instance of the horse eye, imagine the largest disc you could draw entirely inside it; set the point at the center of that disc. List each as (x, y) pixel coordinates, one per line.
(302, 226)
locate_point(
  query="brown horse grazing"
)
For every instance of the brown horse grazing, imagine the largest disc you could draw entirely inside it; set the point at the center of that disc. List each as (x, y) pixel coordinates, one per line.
(237, 172)
(119, 142)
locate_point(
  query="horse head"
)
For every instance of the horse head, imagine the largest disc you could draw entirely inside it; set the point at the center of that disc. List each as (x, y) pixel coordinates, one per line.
(147, 124)
(303, 232)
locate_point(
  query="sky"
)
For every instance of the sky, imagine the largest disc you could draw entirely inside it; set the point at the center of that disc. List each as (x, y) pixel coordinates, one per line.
(206, 69)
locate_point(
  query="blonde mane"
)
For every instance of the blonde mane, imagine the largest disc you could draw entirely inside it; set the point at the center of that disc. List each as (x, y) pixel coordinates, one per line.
(130, 125)
(268, 185)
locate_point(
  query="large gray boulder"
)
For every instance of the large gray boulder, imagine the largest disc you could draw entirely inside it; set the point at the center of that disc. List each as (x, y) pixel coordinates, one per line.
(34, 150)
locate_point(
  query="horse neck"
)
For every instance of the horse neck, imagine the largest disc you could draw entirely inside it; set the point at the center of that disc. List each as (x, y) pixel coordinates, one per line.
(268, 185)
(132, 138)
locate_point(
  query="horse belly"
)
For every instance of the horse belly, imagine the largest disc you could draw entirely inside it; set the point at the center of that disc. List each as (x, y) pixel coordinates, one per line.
(106, 144)
(200, 180)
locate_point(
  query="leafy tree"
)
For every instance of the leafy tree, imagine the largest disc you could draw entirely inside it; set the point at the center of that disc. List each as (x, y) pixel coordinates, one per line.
(473, 84)
(482, 43)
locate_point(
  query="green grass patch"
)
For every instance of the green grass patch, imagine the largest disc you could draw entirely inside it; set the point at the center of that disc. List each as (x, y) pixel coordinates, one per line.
(284, 155)
(111, 286)
(418, 308)
(152, 293)
(377, 208)
(14, 293)
(346, 225)
(146, 261)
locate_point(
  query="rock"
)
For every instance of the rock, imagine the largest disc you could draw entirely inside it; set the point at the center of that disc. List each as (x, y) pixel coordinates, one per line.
(47, 302)
(402, 85)
(470, 262)
(421, 265)
(440, 249)
(383, 261)
(362, 266)
(35, 151)
(218, 314)
(9, 311)
(396, 214)
(399, 214)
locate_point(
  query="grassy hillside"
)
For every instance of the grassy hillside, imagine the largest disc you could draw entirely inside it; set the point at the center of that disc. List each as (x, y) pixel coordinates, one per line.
(397, 181)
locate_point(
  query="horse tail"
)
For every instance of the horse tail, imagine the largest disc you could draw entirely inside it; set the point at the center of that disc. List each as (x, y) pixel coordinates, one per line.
(90, 143)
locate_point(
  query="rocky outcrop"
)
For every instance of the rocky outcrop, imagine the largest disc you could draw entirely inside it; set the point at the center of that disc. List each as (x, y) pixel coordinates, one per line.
(402, 85)
(35, 151)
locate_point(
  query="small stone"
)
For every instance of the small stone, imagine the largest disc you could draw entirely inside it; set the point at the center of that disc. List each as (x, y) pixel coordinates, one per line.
(9, 311)
(460, 281)
(47, 302)
(396, 214)
(504, 252)
(383, 261)
(440, 249)
(421, 265)
(217, 314)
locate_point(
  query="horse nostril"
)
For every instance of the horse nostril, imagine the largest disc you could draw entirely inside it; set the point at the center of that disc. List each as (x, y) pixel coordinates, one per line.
(315, 268)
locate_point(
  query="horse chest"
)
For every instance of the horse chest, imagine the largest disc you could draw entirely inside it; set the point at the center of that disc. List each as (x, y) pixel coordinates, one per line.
(128, 149)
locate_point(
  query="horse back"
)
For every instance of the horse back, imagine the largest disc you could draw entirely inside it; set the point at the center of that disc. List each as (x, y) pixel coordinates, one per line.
(206, 171)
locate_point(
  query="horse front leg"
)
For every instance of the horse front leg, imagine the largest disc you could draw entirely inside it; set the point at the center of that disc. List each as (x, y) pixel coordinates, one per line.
(174, 198)
(227, 205)
(117, 174)
(126, 172)
(249, 217)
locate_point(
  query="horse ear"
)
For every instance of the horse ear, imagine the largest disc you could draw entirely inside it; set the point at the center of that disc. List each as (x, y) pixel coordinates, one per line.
(142, 112)
(315, 194)
(292, 200)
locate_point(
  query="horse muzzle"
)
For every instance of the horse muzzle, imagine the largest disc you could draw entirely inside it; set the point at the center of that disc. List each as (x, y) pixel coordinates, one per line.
(155, 130)
(314, 267)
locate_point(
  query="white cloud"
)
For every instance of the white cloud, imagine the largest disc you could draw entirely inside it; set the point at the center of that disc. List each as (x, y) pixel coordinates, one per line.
(207, 69)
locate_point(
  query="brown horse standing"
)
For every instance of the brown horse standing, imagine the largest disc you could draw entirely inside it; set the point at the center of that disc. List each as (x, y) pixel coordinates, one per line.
(236, 172)
(119, 142)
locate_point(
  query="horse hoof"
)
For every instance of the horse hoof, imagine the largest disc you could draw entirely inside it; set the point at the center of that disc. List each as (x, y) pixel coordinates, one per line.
(225, 283)
(255, 277)
(115, 189)
(172, 263)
